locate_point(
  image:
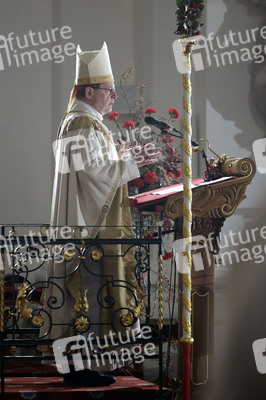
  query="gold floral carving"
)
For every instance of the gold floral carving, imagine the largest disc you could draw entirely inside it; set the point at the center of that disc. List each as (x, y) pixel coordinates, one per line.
(217, 199)
(69, 255)
(21, 305)
(127, 319)
(81, 303)
(138, 311)
(82, 324)
(37, 320)
(96, 255)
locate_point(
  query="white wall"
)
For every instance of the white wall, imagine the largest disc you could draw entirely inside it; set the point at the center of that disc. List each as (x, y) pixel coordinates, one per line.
(26, 121)
(230, 119)
(140, 33)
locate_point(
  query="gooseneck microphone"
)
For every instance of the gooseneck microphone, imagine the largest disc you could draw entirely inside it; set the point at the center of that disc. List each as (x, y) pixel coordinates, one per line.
(155, 122)
(165, 127)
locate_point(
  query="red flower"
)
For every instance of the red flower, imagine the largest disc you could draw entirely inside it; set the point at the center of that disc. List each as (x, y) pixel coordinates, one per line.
(129, 124)
(170, 175)
(167, 139)
(113, 116)
(169, 149)
(150, 177)
(149, 236)
(178, 173)
(150, 110)
(174, 113)
(138, 182)
(168, 255)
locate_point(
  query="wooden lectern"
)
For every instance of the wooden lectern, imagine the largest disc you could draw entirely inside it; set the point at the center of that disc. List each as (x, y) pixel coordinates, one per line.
(212, 203)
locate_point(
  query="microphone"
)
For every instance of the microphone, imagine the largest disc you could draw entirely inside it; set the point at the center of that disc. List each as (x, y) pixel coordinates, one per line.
(163, 126)
(159, 124)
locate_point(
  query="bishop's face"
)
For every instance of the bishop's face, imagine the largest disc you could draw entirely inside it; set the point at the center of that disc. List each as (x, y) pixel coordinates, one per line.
(102, 98)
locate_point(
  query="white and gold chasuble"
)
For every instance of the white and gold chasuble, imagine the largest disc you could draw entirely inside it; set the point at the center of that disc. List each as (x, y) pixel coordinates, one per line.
(90, 190)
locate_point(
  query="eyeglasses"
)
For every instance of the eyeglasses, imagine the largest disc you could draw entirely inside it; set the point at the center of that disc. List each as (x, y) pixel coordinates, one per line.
(111, 90)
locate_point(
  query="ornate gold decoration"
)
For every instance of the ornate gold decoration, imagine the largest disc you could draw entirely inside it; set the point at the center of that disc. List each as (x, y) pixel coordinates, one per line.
(81, 303)
(187, 281)
(218, 199)
(186, 340)
(188, 193)
(187, 126)
(127, 319)
(187, 44)
(186, 325)
(85, 302)
(22, 307)
(37, 320)
(78, 303)
(187, 106)
(187, 303)
(82, 324)
(186, 84)
(188, 257)
(138, 311)
(187, 149)
(68, 255)
(187, 213)
(97, 254)
(221, 158)
(187, 170)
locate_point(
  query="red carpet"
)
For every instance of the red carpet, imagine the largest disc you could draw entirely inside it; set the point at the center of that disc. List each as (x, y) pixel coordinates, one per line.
(33, 381)
(53, 387)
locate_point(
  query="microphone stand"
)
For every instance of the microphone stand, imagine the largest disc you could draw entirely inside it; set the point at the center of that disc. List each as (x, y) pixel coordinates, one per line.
(165, 131)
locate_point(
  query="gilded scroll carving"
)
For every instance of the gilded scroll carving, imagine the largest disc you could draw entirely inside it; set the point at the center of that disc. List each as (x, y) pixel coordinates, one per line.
(218, 199)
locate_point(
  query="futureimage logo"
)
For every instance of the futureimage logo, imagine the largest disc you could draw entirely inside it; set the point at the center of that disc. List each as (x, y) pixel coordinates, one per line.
(13, 48)
(234, 248)
(210, 51)
(259, 350)
(77, 349)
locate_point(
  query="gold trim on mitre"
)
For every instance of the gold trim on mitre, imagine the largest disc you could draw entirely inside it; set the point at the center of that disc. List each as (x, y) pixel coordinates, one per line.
(93, 66)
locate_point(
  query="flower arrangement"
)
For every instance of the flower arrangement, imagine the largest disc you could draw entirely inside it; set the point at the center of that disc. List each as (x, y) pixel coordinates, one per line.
(167, 171)
(188, 17)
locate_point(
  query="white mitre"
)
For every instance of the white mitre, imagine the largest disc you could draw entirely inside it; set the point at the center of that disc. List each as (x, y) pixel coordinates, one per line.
(93, 66)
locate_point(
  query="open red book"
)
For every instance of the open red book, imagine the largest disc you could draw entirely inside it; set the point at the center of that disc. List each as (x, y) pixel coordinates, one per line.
(160, 195)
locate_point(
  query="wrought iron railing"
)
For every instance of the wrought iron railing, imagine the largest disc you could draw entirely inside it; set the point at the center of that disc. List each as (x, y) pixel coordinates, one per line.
(45, 294)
